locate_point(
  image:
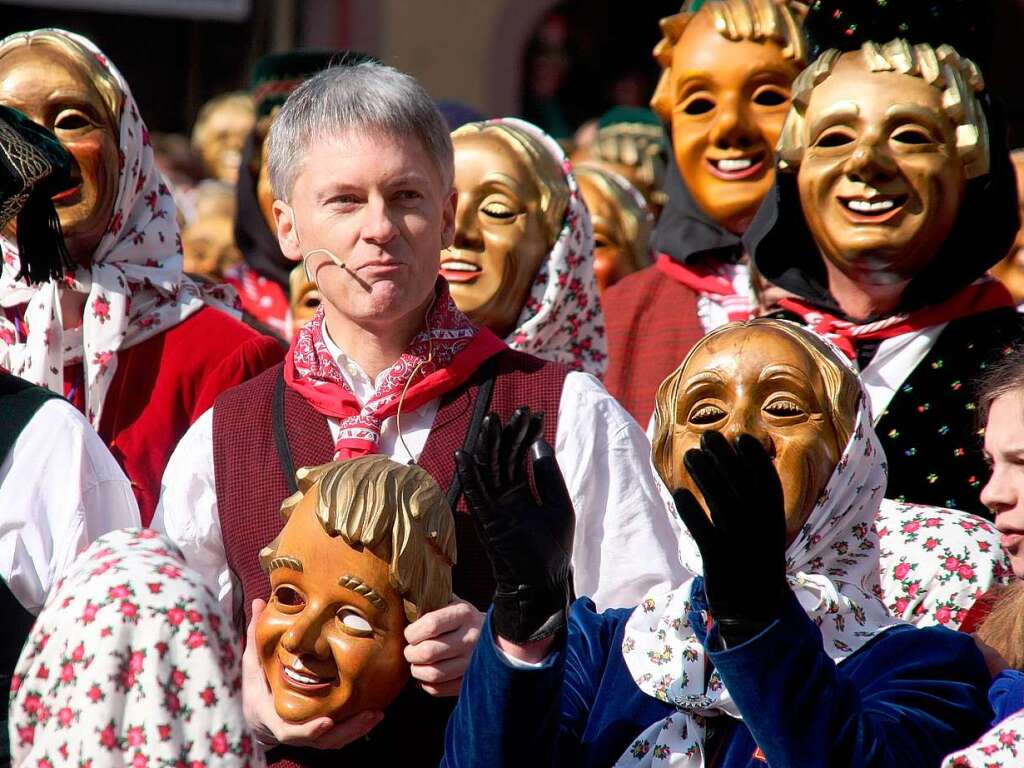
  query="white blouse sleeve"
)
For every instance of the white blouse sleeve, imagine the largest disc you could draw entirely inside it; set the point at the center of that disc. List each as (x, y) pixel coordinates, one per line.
(187, 512)
(60, 489)
(627, 531)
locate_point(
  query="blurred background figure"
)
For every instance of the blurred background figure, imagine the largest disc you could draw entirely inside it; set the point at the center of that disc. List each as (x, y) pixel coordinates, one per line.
(622, 223)
(219, 133)
(1011, 269)
(183, 169)
(630, 142)
(209, 241)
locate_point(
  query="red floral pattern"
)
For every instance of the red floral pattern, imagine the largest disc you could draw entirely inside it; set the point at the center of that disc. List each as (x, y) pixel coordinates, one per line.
(935, 563)
(1001, 747)
(119, 673)
(134, 288)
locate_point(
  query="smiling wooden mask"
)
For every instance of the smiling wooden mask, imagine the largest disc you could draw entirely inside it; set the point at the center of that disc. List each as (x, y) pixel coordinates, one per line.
(367, 547)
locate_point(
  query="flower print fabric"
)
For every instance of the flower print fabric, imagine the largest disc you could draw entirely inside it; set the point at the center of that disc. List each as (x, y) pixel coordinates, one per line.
(562, 319)
(831, 567)
(134, 288)
(935, 563)
(130, 663)
(1001, 747)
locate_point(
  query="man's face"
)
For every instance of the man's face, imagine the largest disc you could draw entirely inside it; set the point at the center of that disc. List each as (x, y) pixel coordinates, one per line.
(326, 649)
(760, 381)
(378, 203)
(1004, 492)
(56, 93)
(730, 101)
(880, 181)
(500, 238)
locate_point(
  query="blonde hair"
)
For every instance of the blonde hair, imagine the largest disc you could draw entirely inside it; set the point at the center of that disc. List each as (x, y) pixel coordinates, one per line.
(239, 100)
(842, 389)
(634, 217)
(100, 78)
(759, 21)
(1003, 629)
(943, 68)
(397, 511)
(554, 189)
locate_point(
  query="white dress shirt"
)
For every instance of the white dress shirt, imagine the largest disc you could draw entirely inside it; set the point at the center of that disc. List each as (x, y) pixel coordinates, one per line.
(60, 489)
(626, 529)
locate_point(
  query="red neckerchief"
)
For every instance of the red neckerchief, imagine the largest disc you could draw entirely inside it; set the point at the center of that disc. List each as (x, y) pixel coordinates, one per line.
(982, 296)
(458, 349)
(705, 281)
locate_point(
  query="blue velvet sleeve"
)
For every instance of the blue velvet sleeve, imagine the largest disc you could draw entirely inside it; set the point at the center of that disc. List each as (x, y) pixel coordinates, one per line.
(1006, 694)
(907, 698)
(510, 716)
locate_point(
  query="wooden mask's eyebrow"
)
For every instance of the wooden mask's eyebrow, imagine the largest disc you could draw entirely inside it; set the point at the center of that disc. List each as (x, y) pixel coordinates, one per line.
(285, 561)
(363, 589)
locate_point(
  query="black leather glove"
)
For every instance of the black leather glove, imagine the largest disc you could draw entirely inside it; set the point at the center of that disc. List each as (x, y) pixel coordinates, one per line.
(743, 545)
(528, 538)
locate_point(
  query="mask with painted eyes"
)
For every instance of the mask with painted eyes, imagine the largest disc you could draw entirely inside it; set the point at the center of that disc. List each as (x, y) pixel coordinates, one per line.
(331, 637)
(770, 380)
(511, 200)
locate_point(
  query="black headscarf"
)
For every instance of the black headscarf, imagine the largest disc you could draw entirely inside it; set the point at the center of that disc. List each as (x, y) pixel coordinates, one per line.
(34, 166)
(685, 233)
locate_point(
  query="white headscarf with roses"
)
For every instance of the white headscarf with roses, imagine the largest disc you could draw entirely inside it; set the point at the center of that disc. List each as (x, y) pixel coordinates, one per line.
(134, 287)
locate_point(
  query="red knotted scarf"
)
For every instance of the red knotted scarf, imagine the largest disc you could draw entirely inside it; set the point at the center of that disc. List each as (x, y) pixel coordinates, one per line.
(707, 282)
(982, 296)
(456, 349)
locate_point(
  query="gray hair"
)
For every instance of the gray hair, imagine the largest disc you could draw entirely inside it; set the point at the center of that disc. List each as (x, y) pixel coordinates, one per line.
(365, 97)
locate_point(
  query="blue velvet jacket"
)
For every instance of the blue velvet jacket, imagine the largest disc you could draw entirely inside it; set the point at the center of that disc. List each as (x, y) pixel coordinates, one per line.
(907, 698)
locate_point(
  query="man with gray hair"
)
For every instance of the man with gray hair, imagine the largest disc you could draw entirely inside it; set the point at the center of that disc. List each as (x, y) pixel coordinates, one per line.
(361, 167)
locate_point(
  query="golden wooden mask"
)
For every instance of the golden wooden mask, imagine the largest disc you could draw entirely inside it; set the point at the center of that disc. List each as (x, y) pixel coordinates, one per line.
(883, 141)
(512, 197)
(368, 546)
(59, 85)
(725, 92)
(209, 246)
(304, 297)
(1010, 271)
(774, 380)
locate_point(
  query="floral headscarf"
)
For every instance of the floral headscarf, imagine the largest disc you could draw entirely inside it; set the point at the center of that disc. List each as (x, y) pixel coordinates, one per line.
(852, 584)
(130, 663)
(562, 319)
(135, 286)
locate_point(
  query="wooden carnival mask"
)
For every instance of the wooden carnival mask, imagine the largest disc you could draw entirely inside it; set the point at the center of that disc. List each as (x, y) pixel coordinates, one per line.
(367, 547)
(304, 297)
(883, 141)
(512, 197)
(773, 380)
(60, 86)
(209, 246)
(622, 223)
(725, 92)
(220, 132)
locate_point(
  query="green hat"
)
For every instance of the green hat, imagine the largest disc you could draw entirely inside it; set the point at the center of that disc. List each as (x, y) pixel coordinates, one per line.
(276, 75)
(34, 166)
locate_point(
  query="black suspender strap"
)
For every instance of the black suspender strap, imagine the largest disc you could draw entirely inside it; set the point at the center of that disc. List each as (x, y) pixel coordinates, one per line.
(480, 407)
(284, 453)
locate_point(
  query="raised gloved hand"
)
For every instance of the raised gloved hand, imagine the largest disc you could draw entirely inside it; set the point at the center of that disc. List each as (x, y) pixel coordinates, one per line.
(743, 545)
(528, 538)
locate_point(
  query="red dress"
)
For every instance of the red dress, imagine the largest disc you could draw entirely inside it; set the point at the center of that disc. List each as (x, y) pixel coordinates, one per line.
(165, 383)
(651, 321)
